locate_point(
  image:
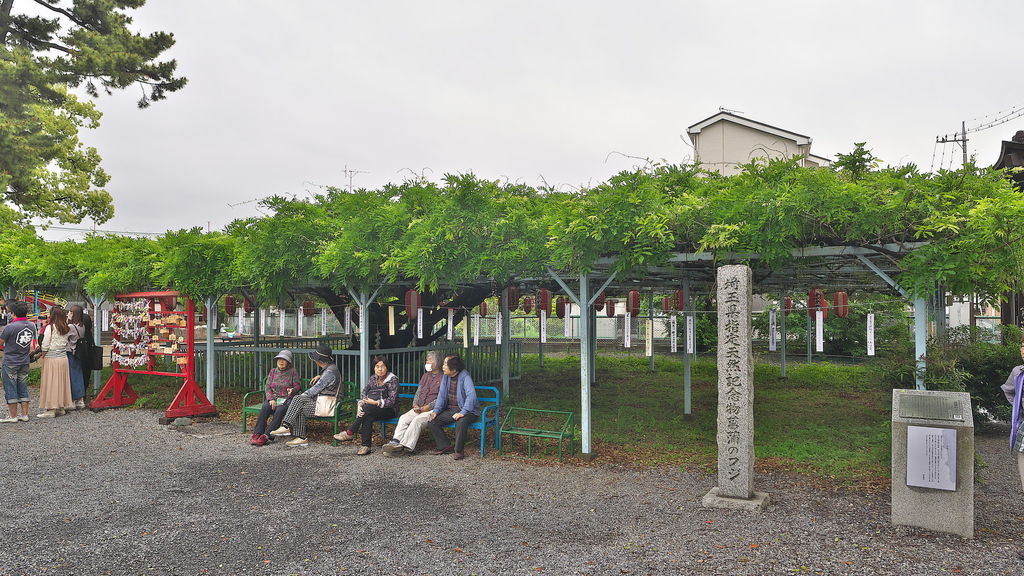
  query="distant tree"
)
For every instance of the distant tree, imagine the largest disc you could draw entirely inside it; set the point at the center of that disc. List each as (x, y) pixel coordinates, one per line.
(45, 169)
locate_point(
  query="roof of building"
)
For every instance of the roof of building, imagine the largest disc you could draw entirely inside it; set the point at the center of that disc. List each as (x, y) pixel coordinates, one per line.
(695, 129)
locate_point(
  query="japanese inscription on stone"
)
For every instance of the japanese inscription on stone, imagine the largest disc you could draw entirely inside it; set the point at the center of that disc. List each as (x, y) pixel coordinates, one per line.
(735, 384)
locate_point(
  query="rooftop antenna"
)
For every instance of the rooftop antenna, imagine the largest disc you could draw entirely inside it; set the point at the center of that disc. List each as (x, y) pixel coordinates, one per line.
(350, 174)
(724, 109)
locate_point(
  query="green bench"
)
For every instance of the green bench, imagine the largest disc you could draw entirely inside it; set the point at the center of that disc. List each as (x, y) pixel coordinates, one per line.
(345, 408)
(534, 423)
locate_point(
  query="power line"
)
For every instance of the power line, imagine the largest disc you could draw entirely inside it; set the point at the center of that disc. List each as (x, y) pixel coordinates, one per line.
(72, 229)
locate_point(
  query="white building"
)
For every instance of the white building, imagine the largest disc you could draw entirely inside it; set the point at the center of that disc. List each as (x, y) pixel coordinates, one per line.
(726, 141)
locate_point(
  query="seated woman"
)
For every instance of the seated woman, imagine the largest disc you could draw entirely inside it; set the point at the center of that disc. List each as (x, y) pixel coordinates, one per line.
(327, 383)
(377, 402)
(281, 384)
(456, 402)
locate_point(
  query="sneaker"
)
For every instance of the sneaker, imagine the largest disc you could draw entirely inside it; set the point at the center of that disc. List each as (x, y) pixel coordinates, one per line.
(363, 451)
(23, 418)
(344, 436)
(282, 431)
(400, 450)
(458, 456)
(9, 420)
(260, 440)
(254, 438)
(391, 447)
(80, 404)
(59, 412)
(297, 442)
(47, 414)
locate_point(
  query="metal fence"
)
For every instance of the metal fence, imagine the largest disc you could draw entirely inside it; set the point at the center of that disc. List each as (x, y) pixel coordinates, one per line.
(240, 366)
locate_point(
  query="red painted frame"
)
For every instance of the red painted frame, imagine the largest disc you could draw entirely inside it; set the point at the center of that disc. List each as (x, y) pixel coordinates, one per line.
(190, 400)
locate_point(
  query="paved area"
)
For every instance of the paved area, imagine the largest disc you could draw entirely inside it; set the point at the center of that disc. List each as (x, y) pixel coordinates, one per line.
(116, 493)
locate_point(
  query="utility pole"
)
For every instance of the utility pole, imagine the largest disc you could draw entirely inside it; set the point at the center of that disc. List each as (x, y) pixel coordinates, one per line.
(960, 138)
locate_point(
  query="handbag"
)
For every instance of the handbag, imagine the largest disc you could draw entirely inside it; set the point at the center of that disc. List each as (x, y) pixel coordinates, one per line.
(325, 406)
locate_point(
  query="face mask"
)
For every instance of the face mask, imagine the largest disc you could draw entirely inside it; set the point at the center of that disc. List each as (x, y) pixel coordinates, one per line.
(428, 367)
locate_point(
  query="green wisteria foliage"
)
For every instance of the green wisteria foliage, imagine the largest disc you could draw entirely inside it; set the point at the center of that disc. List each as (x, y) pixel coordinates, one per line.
(464, 229)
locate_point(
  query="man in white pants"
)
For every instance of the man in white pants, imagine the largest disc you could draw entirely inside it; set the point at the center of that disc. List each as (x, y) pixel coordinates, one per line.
(410, 424)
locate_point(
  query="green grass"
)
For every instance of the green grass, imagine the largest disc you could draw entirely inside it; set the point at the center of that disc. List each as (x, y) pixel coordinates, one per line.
(825, 419)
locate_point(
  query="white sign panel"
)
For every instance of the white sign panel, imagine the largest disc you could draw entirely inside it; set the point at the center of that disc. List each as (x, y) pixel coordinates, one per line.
(263, 322)
(476, 329)
(627, 339)
(931, 457)
(649, 340)
(451, 324)
(819, 331)
(673, 337)
(241, 317)
(497, 327)
(567, 323)
(106, 320)
(419, 323)
(689, 334)
(300, 318)
(771, 331)
(280, 325)
(348, 321)
(323, 321)
(871, 334)
(543, 326)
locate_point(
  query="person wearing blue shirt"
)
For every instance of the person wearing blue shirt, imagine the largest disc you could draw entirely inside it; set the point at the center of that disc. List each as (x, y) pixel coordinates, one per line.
(456, 402)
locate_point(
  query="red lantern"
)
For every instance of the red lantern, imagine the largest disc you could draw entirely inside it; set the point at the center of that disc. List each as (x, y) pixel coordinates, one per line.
(789, 306)
(560, 305)
(248, 306)
(483, 308)
(633, 302)
(544, 301)
(610, 308)
(412, 303)
(680, 300)
(841, 304)
(513, 297)
(817, 301)
(666, 304)
(307, 308)
(230, 305)
(527, 305)
(599, 302)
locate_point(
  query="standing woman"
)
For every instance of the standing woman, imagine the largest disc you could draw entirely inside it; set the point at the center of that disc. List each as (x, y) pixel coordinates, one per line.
(76, 334)
(55, 384)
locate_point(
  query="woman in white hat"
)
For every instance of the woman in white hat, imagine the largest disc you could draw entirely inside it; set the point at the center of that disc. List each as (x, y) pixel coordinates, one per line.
(281, 384)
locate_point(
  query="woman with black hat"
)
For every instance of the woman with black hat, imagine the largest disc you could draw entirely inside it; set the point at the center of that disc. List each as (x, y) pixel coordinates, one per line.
(327, 383)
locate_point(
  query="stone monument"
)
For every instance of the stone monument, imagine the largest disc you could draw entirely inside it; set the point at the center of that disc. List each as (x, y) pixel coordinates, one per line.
(735, 395)
(933, 461)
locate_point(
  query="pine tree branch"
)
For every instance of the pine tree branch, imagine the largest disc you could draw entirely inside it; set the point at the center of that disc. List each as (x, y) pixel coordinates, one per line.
(29, 38)
(60, 10)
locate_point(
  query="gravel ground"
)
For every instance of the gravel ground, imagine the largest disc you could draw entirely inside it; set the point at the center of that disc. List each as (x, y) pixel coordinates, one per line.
(116, 493)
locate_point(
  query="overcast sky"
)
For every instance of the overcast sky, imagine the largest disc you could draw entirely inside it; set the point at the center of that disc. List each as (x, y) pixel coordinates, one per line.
(282, 96)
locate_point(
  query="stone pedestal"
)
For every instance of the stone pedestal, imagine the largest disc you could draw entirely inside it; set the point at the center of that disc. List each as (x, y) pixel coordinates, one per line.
(735, 395)
(938, 493)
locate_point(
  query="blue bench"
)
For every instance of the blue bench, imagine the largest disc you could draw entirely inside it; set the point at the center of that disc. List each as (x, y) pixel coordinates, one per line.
(490, 411)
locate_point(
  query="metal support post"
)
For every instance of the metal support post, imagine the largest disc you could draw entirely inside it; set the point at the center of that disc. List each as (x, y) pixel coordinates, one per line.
(782, 339)
(97, 335)
(585, 353)
(211, 358)
(920, 339)
(506, 335)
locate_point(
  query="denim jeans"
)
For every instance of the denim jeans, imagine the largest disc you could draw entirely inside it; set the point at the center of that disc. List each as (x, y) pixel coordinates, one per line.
(15, 383)
(279, 411)
(77, 378)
